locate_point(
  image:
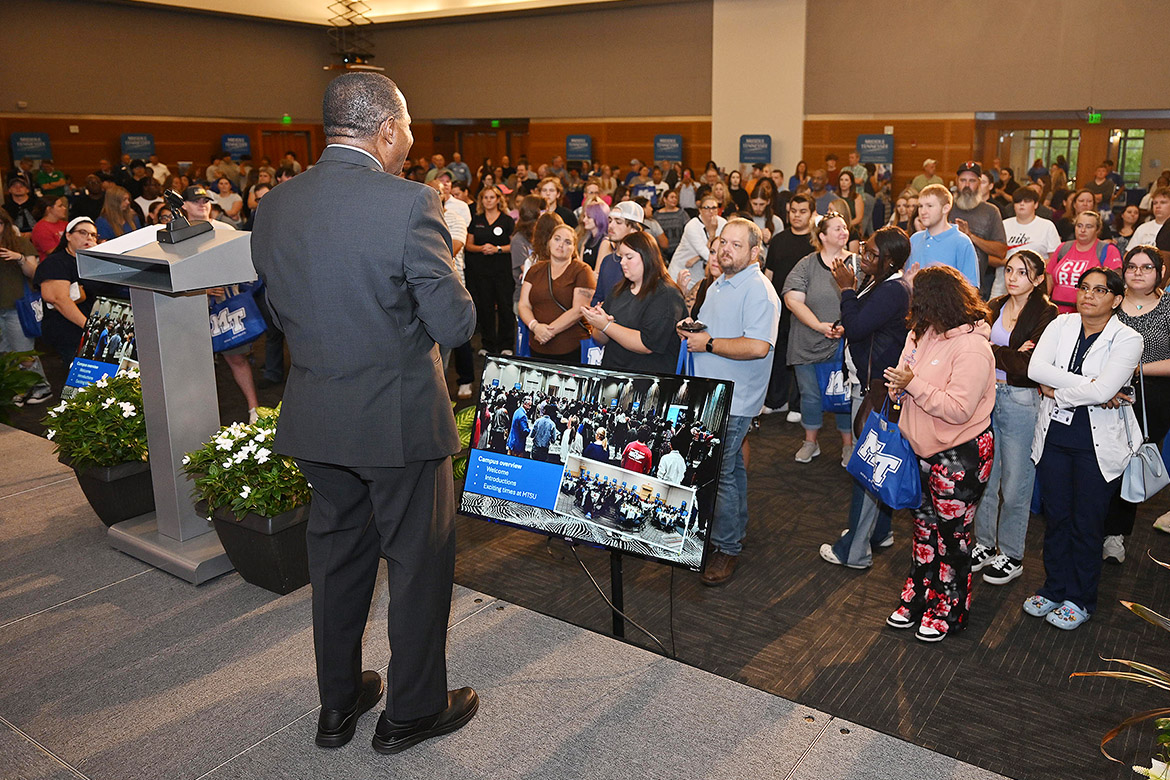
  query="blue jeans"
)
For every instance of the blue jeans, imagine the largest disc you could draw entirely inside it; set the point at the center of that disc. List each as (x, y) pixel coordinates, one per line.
(729, 526)
(1012, 472)
(811, 414)
(12, 339)
(869, 519)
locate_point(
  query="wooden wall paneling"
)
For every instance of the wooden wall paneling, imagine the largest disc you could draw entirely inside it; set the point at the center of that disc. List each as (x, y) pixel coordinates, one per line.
(193, 140)
(616, 143)
(949, 141)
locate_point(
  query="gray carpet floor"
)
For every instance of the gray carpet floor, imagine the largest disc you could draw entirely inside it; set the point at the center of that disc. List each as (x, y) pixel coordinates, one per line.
(111, 670)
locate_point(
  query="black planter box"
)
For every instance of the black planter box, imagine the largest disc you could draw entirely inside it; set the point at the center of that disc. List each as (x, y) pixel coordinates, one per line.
(268, 552)
(116, 493)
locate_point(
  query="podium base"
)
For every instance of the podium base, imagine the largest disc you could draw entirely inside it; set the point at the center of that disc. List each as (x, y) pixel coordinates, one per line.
(196, 560)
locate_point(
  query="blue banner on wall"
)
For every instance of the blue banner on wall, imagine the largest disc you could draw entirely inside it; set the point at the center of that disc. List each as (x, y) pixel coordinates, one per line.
(876, 149)
(668, 148)
(138, 145)
(33, 145)
(237, 146)
(755, 149)
(579, 147)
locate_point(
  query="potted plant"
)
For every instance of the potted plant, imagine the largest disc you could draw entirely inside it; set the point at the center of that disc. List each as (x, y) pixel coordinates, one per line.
(100, 433)
(1152, 677)
(258, 502)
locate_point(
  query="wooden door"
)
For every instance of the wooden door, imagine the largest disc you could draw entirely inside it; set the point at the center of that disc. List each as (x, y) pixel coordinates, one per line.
(475, 145)
(274, 143)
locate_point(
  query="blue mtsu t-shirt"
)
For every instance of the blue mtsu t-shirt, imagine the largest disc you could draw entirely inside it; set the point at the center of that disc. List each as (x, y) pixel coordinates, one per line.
(949, 247)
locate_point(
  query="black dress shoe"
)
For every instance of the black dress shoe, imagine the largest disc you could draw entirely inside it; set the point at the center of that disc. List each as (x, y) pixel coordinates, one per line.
(394, 737)
(336, 727)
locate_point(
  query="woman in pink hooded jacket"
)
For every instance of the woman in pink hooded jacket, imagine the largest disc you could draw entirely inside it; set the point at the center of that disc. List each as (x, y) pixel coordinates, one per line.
(945, 380)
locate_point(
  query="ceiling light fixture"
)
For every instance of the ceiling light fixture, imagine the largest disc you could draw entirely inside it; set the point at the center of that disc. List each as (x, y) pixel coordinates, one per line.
(352, 44)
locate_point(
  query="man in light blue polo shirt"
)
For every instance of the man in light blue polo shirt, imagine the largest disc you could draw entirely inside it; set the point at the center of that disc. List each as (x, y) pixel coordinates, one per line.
(742, 312)
(941, 243)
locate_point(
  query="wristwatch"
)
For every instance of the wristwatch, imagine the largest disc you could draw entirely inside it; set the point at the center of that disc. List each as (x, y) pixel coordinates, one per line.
(710, 345)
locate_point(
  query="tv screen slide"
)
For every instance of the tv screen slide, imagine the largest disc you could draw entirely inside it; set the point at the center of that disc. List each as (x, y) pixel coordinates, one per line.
(624, 461)
(107, 344)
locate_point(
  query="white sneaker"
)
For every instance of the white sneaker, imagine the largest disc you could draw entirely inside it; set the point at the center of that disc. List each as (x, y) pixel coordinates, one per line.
(1114, 549)
(505, 352)
(465, 391)
(253, 416)
(845, 456)
(980, 556)
(830, 556)
(793, 417)
(482, 352)
(808, 451)
(1001, 570)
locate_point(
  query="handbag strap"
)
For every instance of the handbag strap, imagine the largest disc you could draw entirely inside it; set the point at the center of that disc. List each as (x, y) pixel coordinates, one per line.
(1142, 385)
(551, 294)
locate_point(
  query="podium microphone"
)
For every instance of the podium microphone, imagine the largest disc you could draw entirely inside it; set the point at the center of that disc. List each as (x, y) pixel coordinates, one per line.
(179, 229)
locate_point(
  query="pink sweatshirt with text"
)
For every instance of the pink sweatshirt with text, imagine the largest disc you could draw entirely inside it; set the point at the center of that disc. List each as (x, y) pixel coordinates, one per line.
(950, 399)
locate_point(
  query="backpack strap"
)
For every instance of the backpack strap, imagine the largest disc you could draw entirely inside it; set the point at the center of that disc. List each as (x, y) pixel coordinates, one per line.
(1102, 251)
(1063, 251)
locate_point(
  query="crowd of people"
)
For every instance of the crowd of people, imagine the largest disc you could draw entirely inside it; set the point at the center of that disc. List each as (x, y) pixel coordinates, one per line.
(1004, 317)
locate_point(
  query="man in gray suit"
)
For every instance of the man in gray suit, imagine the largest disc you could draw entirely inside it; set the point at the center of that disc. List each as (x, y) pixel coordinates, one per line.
(360, 279)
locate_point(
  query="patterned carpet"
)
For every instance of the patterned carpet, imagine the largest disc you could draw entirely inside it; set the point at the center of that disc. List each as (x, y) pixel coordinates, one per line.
(998, 695)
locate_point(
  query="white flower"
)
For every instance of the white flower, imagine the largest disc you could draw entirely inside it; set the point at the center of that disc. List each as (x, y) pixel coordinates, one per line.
(186, 459)
(103, 382)
(60, 407)
(50, 433)
(245, 491)
(128, 409)
(106, 404)
(262, 455)
(227, 464)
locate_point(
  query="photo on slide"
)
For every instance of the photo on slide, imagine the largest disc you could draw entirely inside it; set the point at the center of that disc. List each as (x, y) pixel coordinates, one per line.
(624, 461)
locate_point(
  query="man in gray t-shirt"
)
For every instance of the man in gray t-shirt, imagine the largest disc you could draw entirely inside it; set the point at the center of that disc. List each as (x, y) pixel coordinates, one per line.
(980, 222)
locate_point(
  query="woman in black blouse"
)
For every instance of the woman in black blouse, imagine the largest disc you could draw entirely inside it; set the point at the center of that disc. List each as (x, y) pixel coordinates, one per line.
(1146, 309)
(69, 299)
(637, 322)
(488, 264)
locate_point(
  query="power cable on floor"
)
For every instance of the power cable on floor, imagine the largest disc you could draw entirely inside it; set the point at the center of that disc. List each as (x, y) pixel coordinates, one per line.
(634, 623)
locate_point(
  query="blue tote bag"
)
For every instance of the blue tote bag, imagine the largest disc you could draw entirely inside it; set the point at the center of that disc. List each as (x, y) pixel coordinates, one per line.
(686, 361)
(831, 380)
(884, 462)
(522, 348)
(236, 320)
(30, 311)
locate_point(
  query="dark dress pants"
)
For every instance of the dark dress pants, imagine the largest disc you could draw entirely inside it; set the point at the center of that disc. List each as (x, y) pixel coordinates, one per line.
(490, 282)
(360, 515)
(273, 343)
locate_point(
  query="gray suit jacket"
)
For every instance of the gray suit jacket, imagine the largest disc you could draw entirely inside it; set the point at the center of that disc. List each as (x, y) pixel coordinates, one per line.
(360, 279)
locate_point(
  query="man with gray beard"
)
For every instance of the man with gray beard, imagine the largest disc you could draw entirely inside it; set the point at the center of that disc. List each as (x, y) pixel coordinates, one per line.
(982, 223)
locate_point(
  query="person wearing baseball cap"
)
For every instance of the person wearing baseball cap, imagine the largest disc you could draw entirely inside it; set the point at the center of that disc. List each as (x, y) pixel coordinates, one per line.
(197, 207)
(928, 175)
(625, 218)
(981, 222)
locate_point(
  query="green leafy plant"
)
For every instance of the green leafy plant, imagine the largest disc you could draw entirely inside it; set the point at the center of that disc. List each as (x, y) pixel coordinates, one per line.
(15, 380)
(1146, 675)
(465, 424)
(102, 425)
(237, 469)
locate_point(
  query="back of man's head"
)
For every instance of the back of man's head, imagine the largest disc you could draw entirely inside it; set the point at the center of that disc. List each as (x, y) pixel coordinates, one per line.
(356, 104)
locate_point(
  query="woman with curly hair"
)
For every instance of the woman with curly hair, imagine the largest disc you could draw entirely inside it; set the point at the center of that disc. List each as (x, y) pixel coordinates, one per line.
(945, 381)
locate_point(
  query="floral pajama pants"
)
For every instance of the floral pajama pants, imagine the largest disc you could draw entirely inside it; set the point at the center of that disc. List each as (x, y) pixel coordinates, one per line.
(938, 591)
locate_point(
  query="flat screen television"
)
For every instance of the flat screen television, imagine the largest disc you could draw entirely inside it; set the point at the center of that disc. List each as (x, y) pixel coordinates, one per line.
(624, 461)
